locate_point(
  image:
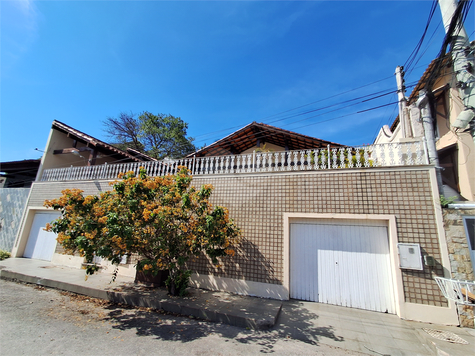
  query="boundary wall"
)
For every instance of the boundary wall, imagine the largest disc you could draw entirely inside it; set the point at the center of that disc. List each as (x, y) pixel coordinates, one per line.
(263, 204)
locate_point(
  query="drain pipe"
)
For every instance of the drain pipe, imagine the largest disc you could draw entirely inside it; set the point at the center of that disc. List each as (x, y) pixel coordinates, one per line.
(427, 122)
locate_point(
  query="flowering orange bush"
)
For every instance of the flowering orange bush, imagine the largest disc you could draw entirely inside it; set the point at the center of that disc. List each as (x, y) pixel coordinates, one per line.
(162, 219)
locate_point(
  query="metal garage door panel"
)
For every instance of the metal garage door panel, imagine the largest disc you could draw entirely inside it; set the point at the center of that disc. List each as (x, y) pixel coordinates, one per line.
(342, 265)
(41, 244)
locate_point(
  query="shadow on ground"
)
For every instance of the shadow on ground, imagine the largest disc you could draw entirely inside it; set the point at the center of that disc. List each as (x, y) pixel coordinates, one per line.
(295, 322)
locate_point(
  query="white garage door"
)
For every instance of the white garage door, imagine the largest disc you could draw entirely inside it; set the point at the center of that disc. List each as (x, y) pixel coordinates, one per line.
(41, 244)
(347, 265)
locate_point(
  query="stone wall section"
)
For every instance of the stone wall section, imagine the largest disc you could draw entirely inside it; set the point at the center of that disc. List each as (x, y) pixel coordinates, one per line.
(257, 203)
(459, 255)
(12, 205)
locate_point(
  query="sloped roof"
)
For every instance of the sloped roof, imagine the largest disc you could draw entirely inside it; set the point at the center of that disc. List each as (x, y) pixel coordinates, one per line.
(433, 68)
(27, 167)
(101, 146)
(248, 137)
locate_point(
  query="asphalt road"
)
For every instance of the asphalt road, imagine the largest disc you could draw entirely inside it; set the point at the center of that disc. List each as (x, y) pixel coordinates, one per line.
(39, 321)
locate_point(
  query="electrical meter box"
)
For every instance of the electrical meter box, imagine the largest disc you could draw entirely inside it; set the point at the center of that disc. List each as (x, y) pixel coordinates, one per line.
(410, 256)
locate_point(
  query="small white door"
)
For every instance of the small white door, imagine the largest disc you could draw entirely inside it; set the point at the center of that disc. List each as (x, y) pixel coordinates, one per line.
(345, 265)
(41, 244)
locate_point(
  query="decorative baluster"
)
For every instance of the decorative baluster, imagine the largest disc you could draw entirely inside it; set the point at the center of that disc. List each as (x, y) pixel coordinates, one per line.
(268, 162)
(358, 157)
(193, 165)
(212, 165)
(206, 166)
(307, 159)
(216, 165)
(249, 163)
(334, 158)
(320, 158)
(297, 157)
(317, 155)
(343, 164)
(288, 160)
(198, 165)
(349, 157)
(282, 155)
(231, 167)
(238, 164)
(275, 161)
(259, 158)
(226, 165)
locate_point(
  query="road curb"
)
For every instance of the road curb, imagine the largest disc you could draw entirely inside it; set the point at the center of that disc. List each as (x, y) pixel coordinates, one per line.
(230, 313)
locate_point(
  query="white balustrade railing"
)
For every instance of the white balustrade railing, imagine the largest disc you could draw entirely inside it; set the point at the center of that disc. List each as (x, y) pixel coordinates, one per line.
(461, 292)
(382, 155)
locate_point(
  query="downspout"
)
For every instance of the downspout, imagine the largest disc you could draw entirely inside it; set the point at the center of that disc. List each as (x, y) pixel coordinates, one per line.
(427, 122)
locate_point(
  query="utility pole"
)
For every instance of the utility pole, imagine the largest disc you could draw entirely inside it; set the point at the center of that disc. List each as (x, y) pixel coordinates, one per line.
(464, 63)
(401, 94)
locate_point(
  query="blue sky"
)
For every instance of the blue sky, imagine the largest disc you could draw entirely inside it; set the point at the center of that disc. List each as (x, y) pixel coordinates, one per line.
(218, 65)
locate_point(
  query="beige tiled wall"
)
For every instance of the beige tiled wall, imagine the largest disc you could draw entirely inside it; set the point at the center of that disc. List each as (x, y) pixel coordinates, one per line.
(257, 203)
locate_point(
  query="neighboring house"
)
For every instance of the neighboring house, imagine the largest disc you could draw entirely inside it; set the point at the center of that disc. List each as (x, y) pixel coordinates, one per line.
(353, 226)
(66, 148)
(455, 148)
(18, 174)
(428, 115)
(261, 137)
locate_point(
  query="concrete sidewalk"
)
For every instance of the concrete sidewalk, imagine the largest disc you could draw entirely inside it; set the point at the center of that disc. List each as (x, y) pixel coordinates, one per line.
(352, 329)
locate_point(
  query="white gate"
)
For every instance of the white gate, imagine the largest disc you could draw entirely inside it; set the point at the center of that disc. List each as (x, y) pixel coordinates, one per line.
(347, 265)
(41, 244)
